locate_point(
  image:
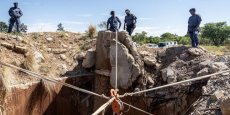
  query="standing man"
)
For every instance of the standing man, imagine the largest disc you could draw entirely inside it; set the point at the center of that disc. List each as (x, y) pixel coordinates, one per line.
(130, 22)
(15, 14)
(112, 23)
(193, 27)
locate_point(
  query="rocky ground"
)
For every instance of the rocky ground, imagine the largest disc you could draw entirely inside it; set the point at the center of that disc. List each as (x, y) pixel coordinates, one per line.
(51, 54)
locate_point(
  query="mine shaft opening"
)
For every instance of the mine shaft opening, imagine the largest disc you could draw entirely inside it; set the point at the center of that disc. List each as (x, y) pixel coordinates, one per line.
(72, 102)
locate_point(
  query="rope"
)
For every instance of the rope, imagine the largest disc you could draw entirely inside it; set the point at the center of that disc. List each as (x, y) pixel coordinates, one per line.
(103, 107)
(173, 84)
(39, 76)
(147, 113)
(116, 61)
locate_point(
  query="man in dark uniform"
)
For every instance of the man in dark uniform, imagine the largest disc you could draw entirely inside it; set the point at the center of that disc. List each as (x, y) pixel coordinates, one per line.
(193, 27)
(15, 14)
(130, 22)
(112, 23)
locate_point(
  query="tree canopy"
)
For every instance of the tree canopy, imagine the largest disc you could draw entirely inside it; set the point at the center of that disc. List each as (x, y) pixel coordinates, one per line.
(216, 32)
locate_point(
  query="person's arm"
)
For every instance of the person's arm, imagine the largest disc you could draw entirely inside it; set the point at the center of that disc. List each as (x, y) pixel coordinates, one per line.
(21, 13)
(134, 19)
(125, 24)
(107, 26)
(11, 13)
(119, 22)
(199, 22)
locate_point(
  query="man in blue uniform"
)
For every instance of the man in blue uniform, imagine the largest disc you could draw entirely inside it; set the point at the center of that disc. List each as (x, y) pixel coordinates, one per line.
(113, 23)
(130, 22)
(15, 14)
(193, 27)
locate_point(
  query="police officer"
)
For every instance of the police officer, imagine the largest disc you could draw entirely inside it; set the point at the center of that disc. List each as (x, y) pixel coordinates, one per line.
(130, 22)
(15, 14)
(112, 23)
(193, 27)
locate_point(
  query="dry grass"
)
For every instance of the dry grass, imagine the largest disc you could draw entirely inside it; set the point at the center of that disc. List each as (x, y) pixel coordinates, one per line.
(30, 62)
(216, 50)
(92, 31)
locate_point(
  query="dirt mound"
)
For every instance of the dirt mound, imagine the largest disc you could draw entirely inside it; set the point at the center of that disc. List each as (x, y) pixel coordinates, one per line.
(181, 63)
(51, 54)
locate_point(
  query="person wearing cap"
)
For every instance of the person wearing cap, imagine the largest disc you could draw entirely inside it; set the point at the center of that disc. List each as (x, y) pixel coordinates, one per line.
(130, 22)
(113, 23)
(15, 14)
(193, 27)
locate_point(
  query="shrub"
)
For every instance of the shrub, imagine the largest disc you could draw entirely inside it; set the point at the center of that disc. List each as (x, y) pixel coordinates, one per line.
(92, 31)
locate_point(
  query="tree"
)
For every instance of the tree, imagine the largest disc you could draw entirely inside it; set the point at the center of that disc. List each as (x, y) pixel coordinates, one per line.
(3, 27)
(216, 32)
(60, 27)
(169, 37)
(141, 38)
(103, 25)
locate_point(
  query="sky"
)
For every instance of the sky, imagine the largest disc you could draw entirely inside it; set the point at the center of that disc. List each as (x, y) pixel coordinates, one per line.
(154, 16)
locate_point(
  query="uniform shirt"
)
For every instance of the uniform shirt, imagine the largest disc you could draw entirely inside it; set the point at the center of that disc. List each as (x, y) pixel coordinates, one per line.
(113, 22)
(129, 19)
(15, 12)
(193, 22)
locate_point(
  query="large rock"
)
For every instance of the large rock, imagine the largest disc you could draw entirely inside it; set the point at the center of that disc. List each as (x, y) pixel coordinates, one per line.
(89, 60)
(217, 66)
(168, 75)
(129, 62)
(150, 61)
(196, 51)
(128, 70)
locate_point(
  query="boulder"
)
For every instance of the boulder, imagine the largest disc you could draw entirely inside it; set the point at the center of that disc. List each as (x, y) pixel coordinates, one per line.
(128, 70)
(103, 49)
(196, 51)
(150, 61)
(168, 75)
(89, 60)
(38, 56)
(129, 61)
(144, 53)
(217, 66)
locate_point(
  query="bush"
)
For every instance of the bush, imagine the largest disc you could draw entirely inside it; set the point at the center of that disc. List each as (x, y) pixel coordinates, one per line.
(92, 31)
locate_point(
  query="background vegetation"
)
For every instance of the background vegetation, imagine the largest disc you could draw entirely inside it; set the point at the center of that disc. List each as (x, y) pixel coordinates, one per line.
(217, 34)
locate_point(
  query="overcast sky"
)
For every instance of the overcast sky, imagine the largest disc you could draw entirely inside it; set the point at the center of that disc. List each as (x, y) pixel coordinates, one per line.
(154, 16)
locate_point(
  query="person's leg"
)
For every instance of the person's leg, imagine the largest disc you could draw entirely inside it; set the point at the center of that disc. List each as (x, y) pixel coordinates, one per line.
(192, 39)
(196, 39)
(18, 25)
(131, 31)
(11, 25)
(128, 30)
